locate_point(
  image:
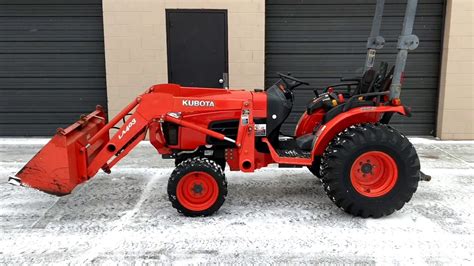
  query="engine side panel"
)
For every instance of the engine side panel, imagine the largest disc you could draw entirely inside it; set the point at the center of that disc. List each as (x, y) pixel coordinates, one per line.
(205, 106)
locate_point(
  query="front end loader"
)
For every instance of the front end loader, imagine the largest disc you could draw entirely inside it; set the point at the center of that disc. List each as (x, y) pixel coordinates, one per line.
(367, 168)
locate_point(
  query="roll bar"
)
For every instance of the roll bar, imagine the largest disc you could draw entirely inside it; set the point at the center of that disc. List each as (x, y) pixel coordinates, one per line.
(406, 41)
(375, 41)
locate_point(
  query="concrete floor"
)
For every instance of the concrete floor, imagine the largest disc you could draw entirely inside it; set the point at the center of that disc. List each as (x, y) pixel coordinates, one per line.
(273, 215)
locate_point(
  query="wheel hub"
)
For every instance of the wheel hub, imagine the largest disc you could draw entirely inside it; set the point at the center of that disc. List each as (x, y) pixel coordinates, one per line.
(374, 174)
(367, 168)
(197, 188)
(197, 191)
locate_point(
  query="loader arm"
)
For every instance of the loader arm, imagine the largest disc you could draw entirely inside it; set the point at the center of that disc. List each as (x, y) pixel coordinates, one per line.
(77, 153)
(148, 108)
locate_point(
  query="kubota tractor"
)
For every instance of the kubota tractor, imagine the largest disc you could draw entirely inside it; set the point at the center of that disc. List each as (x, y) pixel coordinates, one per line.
(367, 168)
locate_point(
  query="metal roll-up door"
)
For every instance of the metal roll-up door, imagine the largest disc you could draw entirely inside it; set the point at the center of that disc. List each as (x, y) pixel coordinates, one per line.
(52, 66)
(321, 41)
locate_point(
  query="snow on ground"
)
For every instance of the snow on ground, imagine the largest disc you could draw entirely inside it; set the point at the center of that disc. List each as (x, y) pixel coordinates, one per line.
(273, 215)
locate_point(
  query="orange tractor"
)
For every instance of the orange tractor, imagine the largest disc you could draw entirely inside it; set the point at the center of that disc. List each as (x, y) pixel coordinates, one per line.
(367, 168)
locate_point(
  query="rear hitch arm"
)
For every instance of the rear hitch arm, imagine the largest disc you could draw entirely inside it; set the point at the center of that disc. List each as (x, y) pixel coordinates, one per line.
(424, 177)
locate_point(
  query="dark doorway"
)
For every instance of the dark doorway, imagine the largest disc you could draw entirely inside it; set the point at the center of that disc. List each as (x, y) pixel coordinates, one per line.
(197, 47)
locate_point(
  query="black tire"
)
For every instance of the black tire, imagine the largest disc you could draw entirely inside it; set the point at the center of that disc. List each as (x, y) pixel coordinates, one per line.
(220, 162)
(177, 161)
(337, 165)
(183, 158)
(315, 169)
(198, 165)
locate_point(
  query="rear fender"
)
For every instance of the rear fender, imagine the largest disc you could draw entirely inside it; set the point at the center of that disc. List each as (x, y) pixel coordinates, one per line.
(308, 122)
(366, 114)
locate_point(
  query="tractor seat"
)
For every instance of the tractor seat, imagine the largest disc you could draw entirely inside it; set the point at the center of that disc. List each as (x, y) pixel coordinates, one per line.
(365, 84)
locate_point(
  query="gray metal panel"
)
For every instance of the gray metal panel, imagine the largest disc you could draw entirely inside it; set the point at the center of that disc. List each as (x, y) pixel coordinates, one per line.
(52, 65)
(321, 41)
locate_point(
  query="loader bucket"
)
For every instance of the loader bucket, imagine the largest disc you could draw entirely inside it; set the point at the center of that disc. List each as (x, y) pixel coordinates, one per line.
(61, 164)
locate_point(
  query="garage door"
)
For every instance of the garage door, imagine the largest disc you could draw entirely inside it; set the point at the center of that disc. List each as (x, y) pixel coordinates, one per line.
(321, 41)
(52, 65)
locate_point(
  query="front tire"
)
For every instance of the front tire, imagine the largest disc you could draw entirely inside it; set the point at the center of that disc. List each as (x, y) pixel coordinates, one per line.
(370, 170)
(197, 187)
(220, 161)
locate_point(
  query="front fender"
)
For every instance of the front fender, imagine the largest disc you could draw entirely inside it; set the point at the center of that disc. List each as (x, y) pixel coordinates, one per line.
(365, 114)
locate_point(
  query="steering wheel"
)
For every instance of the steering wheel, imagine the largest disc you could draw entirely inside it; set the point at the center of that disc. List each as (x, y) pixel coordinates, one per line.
(296, 82)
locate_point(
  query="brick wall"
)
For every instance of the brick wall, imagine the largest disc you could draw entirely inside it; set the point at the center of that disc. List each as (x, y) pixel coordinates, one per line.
(135, 44)
(456, 105)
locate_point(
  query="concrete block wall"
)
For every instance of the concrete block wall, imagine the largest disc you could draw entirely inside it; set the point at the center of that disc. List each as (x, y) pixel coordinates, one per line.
(135, 44)
(456, 101)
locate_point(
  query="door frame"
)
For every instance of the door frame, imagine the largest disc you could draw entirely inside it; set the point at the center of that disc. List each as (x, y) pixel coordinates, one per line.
(195, 10)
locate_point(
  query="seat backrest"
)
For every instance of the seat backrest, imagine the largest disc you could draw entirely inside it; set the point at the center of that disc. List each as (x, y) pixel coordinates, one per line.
(385, 85)
(383, 70)
(366, 82)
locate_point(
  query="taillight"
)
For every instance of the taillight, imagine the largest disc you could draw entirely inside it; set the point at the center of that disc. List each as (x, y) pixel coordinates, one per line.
(396, 102)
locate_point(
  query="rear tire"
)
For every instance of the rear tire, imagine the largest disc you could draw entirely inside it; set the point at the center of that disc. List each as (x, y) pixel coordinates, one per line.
(197, 187)
(315, 168)
(370, 170)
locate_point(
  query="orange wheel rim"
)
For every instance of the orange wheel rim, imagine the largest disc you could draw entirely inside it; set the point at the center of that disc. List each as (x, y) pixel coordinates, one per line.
(374, 174)
(197, 191)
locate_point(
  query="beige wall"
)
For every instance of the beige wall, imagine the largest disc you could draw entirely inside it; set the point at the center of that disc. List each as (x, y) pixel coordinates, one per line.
(135, 50)
(456, 105)
(135, 44)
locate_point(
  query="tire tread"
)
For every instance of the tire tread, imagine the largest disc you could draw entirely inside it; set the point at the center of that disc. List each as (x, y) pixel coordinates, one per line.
(344, 145)
(197, 164)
